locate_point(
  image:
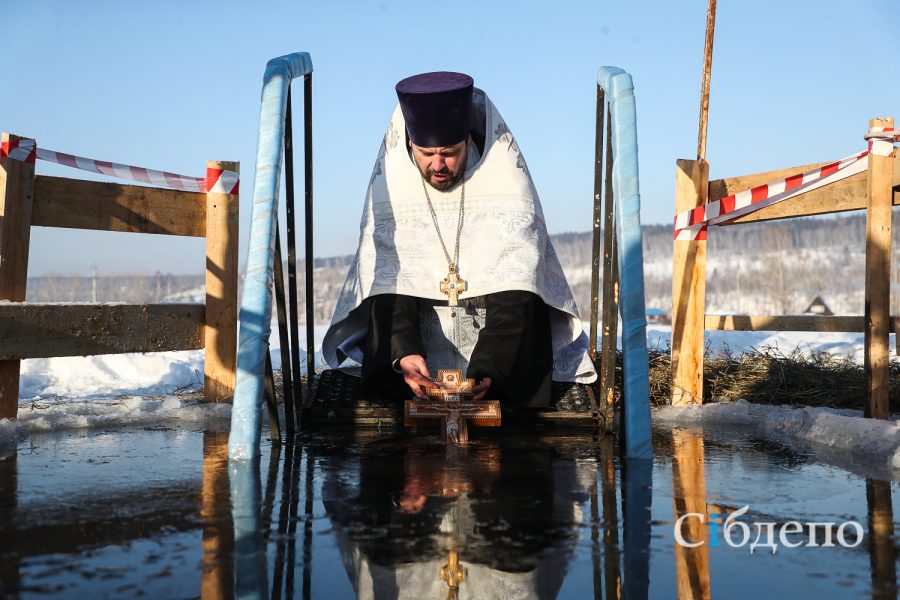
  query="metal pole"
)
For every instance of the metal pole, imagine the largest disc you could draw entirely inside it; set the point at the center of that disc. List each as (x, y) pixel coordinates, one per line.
(286, 377)
(308, 190)
(292, 246)
(595, 253)
(610, 316)
(269, 393)
(707, 71)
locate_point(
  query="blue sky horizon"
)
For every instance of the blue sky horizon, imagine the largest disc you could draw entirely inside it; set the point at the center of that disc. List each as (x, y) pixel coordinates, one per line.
(170, 85)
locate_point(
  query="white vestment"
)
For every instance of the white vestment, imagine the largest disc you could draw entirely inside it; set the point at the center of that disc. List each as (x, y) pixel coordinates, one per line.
(504, 245)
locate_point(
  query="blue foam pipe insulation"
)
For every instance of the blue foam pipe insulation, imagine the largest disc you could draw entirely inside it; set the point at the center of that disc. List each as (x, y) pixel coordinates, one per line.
(256, 300)
(619, 92)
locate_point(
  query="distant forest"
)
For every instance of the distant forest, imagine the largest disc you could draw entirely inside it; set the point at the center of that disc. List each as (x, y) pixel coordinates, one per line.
(762, 268)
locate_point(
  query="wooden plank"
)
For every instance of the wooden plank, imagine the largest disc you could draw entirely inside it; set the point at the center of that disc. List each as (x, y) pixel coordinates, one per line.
(844, 323)
(841, 196)
(16, 201)
(221, 291)
(783, 323)
(878, 280)
(692, 577)
(48, 330)
(688, 289)
(367, 416)
(79, 204)
(722, 188)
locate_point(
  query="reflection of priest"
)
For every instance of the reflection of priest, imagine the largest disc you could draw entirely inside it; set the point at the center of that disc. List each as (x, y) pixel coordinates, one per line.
(512, 525)
(455, 269)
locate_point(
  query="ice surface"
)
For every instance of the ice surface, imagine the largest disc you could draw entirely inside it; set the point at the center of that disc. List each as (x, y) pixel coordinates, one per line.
(842, 430)
(56, 414)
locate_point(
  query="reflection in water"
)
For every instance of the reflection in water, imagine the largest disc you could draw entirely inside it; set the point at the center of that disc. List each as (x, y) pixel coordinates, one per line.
(9, 562)
(883, 553)
(251, 580)
(285, 545)
(689, 496)
(215, 512)
(612, 574)
(637, 495)
(457, 520)
(110, 515)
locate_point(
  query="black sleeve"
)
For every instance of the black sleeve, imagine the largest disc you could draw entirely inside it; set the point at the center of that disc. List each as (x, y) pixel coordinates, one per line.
(515, 349)
(393, 334)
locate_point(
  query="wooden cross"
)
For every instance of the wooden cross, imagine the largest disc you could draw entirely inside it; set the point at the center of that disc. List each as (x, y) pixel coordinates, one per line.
(453, 286)
(452, 403)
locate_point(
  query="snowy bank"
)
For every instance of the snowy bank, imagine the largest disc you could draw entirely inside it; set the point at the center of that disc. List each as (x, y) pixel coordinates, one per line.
(84, 377)
(139, 374)
(41, 416)
(846, 431)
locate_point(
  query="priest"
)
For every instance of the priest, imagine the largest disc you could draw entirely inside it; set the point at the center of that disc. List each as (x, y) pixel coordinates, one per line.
(455, 269)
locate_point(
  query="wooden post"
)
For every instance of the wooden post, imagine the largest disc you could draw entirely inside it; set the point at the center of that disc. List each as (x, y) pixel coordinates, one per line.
(16, 200)
(878, 277)
(688, 289)
(221, 291)
(707, 73)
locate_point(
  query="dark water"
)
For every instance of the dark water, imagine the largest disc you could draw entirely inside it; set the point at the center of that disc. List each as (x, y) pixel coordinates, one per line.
(160, 514)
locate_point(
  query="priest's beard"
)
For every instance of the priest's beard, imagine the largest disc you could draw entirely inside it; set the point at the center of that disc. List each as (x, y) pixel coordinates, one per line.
(443, 184)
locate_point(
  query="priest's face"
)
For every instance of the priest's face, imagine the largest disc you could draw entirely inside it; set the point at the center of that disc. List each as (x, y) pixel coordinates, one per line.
(443, 166)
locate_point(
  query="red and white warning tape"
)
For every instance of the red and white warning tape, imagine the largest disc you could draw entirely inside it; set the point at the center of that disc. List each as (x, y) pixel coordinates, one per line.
(692, 224)
(216, 180)
(881, 140)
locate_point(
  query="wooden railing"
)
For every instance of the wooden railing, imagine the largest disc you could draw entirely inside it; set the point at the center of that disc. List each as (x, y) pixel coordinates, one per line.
(875, 190)
(51, 330)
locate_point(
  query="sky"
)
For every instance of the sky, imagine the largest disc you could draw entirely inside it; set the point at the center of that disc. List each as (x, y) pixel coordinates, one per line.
(169, 85)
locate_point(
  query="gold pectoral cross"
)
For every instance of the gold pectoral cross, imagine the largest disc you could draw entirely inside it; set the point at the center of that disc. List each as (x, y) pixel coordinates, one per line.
(453, 286)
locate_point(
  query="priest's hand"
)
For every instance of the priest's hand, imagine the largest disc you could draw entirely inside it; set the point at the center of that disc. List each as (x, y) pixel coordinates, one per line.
(416, 375)
(481, 389)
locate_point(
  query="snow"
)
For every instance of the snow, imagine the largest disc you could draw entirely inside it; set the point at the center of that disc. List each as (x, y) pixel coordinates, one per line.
(108, 375)
(842, 345)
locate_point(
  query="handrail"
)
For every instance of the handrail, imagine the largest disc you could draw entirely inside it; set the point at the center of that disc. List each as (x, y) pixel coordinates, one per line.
(619, 93)
(256, 300)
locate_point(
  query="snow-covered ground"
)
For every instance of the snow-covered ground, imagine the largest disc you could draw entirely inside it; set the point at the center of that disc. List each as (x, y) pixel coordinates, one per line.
(844, 345)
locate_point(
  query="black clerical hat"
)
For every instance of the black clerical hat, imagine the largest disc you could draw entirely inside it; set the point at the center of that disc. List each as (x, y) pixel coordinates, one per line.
(437, 107)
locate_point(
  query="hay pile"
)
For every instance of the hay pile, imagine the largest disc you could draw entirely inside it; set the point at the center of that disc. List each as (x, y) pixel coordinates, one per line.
(768, 376)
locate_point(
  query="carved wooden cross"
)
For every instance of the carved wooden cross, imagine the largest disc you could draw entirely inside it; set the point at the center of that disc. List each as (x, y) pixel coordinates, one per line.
(453, 405)
(453, 286)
